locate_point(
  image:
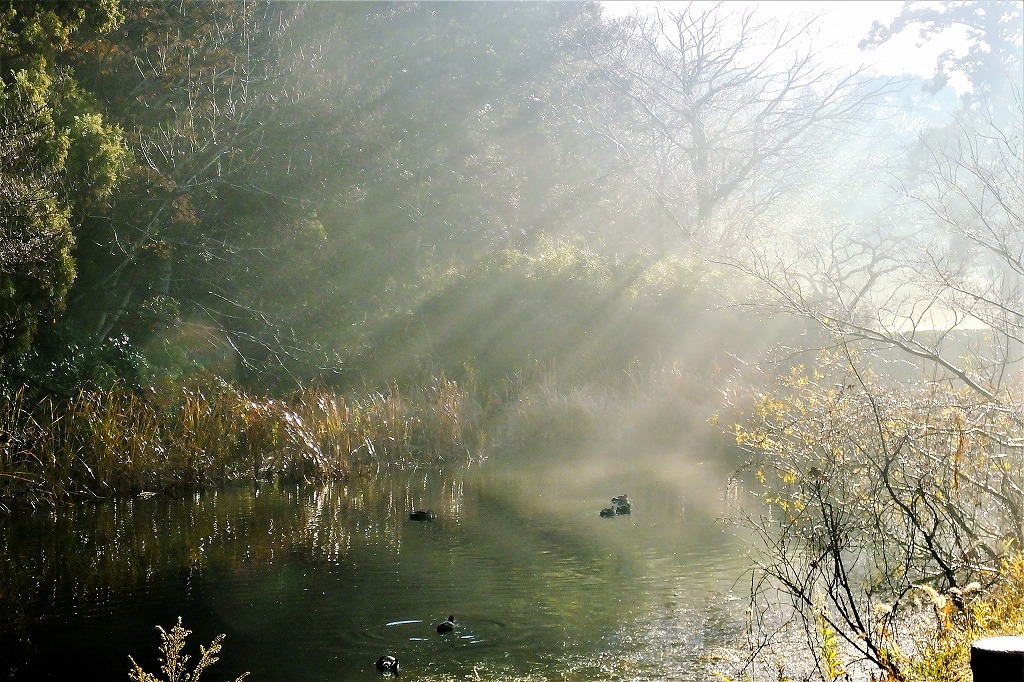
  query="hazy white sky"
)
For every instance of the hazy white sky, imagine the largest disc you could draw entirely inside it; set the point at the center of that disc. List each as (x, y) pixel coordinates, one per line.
(842, 25)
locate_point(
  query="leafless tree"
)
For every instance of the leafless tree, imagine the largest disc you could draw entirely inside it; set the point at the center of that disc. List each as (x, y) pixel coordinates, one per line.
(890, 485)
(720, 113)
(939, 280)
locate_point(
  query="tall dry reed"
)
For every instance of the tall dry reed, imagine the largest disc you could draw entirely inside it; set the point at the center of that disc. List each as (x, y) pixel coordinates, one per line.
(102, 443)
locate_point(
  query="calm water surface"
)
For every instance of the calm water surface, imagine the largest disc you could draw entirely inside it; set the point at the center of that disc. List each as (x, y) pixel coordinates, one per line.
(316, 583)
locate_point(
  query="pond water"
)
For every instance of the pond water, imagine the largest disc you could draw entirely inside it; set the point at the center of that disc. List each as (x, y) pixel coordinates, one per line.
(316, 583)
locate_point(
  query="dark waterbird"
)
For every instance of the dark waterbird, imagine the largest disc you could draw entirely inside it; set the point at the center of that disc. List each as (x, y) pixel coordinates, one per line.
(387, 665)
(447, 626)
(422, 515)
(620, 505)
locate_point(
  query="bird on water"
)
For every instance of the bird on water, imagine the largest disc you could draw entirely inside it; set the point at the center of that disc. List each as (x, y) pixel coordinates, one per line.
(447, 626)
(387, 665)
(620, 505)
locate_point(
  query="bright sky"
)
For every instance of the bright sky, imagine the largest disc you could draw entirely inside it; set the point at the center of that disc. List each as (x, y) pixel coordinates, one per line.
(843, 24)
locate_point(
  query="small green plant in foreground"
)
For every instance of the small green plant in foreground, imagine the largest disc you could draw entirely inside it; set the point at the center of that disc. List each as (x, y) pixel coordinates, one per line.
(831, 661)
(175, 662)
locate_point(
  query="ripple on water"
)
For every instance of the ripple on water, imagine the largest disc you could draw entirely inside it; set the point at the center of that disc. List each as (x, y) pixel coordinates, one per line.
(470, 630)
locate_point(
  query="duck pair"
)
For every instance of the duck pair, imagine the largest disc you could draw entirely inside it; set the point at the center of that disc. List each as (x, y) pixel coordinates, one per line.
(389, 665)
(620, 505)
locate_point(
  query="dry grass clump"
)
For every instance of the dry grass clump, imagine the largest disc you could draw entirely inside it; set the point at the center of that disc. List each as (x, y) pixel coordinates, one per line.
(953, 621)
(99, 443)
(174, 660)
(944, 627)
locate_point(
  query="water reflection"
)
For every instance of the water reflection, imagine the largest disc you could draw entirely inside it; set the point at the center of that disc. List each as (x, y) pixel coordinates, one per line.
(315, 584)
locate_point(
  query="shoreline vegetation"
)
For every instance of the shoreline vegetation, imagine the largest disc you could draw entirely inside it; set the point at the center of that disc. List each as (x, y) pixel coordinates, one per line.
(108, 442)
(943, 627)
(119, 441)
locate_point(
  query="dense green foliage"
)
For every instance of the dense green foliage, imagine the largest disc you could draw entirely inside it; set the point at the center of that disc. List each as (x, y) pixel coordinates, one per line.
(515, 313)
(351, 193)
(273, 195)
(298, 175)
(58, 159)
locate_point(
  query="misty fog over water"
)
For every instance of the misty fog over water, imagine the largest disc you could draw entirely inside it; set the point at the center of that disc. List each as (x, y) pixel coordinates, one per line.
(314, 584)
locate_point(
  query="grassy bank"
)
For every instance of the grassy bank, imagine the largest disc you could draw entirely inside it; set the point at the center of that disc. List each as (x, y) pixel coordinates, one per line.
(947, 626)
(943, 627)
(96, 444)
(116, 441)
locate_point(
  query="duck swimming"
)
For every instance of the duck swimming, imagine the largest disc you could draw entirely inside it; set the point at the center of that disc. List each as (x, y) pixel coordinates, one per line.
(387, 665)
(422, 515)
(607, 512)
(447, 626)
(621, 504)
